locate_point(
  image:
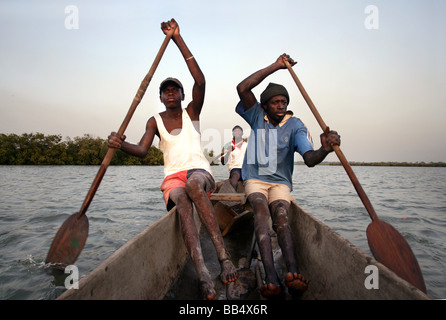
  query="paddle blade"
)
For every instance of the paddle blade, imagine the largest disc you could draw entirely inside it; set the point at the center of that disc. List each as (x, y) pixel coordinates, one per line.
(391, 249)
(69, 241)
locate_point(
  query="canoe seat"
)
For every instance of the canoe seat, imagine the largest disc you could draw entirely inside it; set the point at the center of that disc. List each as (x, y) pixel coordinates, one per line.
(230, 206)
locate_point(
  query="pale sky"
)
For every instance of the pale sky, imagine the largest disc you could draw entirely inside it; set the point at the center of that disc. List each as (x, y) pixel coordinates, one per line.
(381, 83)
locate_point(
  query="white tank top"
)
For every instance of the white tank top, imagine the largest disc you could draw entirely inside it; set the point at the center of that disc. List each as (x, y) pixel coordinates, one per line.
(237, 155)
(183, 151)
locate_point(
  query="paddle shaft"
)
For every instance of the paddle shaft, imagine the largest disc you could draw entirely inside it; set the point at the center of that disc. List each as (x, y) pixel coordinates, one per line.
(111, 151)
(362, 195)
(385, 242)
(226, 151)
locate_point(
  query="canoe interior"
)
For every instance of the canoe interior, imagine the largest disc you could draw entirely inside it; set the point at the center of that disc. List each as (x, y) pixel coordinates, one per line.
(334, 266)
(186, 286)
(155, 265)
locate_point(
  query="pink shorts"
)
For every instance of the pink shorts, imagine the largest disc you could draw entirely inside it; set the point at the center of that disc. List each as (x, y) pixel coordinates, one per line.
(179, 179)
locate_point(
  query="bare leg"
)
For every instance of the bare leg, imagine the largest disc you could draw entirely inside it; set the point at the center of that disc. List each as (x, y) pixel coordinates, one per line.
(195, 190)
(259, 204)
(234, 178)
(192, 241)
(279, 211)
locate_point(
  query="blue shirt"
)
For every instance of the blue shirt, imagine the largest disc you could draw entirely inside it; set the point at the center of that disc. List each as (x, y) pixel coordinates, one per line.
(270, 153)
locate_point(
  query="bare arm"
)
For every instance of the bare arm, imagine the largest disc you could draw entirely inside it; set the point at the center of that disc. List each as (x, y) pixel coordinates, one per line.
(139, 150)
(225, 155)
(198, 90)
(328, 140)
(245, 87)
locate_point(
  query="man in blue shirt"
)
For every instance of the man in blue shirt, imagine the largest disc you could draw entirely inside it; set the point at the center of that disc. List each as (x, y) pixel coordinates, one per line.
(268, 168)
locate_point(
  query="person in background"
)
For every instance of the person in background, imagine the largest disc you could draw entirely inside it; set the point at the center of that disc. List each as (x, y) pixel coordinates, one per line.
(233, 154)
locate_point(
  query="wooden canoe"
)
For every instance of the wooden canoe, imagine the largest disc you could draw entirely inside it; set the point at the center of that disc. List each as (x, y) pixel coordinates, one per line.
(155, 264)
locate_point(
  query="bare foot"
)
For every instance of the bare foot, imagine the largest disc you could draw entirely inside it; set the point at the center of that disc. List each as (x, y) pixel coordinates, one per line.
(270, 290)
(207, 290)
(296, 281)
(228, 271)
(206, 285)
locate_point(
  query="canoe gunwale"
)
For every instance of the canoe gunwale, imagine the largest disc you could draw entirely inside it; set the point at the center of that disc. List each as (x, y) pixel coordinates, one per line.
(159, 251)
(336, 267)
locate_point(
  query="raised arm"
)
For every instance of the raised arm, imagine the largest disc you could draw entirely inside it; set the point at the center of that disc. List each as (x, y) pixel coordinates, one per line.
(245, 87)
(198, 90)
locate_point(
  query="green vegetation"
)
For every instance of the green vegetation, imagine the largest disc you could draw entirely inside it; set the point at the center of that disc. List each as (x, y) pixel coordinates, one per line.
(38, 149)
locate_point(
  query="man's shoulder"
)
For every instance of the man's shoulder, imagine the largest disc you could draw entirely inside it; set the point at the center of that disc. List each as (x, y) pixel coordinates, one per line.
(251, 115)
(296, 122)
(240, 108)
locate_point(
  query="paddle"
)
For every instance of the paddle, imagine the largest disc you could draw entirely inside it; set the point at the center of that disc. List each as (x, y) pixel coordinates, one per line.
(70, 239)
(226, 151)
(386, 243)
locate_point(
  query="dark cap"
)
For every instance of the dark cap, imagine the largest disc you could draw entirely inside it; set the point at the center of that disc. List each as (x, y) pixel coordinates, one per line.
(171, 81)
(273, 89)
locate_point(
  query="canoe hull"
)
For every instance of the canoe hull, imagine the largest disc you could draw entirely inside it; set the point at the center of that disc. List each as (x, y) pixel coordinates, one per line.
(337, 269)
(143, 268)
(148, 265)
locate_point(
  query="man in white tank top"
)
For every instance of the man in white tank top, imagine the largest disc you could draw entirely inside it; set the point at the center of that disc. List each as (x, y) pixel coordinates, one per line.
(188, 177)
(233, 154)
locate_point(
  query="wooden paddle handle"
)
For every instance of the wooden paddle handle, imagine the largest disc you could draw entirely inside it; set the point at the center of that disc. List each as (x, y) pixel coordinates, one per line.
(111, 151)
(362, 195)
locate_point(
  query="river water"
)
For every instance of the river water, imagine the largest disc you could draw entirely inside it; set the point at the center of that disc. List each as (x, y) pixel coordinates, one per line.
(36, 200)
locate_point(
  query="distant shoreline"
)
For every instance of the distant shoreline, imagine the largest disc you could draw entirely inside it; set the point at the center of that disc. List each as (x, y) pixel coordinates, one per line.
(359, 164)
(385, 164)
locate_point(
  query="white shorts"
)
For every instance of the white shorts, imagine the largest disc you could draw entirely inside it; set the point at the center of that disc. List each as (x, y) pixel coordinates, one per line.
(272, 191)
